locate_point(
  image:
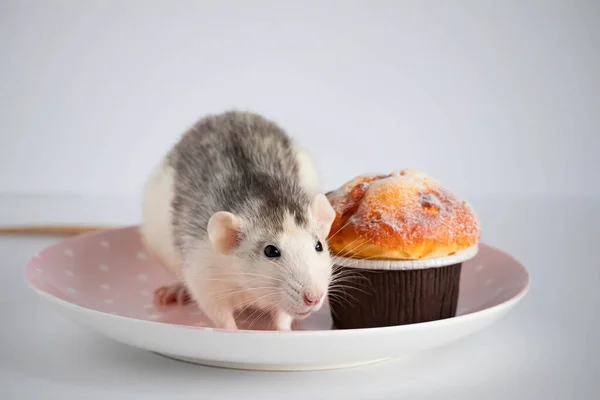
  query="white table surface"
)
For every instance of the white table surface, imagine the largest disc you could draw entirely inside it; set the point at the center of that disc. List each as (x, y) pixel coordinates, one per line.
(546, 348)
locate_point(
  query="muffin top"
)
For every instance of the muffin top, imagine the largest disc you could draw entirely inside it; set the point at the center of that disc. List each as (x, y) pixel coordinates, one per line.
(405, 215)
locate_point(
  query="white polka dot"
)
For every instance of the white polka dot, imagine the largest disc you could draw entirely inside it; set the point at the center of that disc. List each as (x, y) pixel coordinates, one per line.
(105, 244)
(141, 255)
(479, 268)
(39, 270)
(145, 293)
(153, 316)
(69, 252)
(109, 301)
(142, 277)
(489, 282)
(148, 306)
(71, 290)
(103, 267)
(68, 272)
(105, 286)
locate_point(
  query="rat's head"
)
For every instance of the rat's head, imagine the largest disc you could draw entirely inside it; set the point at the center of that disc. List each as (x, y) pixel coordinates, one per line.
(283, 254)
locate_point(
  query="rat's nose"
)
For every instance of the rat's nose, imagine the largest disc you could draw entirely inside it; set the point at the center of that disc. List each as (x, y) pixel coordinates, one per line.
(310, 298)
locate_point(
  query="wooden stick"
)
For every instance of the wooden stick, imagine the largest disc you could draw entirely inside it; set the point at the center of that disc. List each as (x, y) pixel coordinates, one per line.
(51, 230)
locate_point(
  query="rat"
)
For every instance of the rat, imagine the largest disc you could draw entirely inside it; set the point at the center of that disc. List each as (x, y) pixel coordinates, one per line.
(234, 212)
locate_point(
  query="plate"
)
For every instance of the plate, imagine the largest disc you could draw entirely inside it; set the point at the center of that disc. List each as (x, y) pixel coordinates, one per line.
(105, 281)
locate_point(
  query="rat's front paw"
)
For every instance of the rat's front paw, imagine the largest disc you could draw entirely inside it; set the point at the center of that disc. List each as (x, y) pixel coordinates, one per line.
(282, 321)
(172, 294)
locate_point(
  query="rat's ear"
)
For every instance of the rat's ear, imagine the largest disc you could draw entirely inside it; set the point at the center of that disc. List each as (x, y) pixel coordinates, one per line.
(322, 213)
(223, 231)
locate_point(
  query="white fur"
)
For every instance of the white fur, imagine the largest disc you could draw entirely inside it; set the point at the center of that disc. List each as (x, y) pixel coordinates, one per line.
(303, 265)
(156, 229)
(216, 284)
(309, 176)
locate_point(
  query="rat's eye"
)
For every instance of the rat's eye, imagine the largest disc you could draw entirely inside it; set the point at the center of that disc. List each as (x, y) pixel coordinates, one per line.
(319, 246)
(272, 251)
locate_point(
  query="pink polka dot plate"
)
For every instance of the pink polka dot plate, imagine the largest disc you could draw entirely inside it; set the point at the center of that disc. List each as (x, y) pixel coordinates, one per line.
(105, 281)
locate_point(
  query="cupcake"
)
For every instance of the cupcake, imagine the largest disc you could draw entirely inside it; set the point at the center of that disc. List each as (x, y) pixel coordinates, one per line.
(398, 243)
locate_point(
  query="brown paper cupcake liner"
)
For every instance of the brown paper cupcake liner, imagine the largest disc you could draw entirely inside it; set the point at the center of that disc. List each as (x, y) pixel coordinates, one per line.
(374, 293)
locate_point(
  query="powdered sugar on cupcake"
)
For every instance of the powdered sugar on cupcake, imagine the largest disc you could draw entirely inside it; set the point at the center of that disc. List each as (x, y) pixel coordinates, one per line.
(403, 215)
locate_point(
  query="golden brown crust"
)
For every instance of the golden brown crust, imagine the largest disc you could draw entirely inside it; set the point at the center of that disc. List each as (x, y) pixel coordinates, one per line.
(402, 216)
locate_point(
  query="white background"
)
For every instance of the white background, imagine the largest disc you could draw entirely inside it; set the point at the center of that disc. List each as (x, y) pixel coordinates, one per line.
(489, 97)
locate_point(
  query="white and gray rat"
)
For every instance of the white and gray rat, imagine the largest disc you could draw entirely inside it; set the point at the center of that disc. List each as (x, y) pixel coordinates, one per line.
(234, 212)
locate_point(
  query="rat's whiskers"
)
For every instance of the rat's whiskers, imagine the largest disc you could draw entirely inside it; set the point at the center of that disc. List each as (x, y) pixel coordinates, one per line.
(250, 303)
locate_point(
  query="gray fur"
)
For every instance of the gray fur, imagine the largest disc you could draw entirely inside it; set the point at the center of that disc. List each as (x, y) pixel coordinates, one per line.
(238, 162)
